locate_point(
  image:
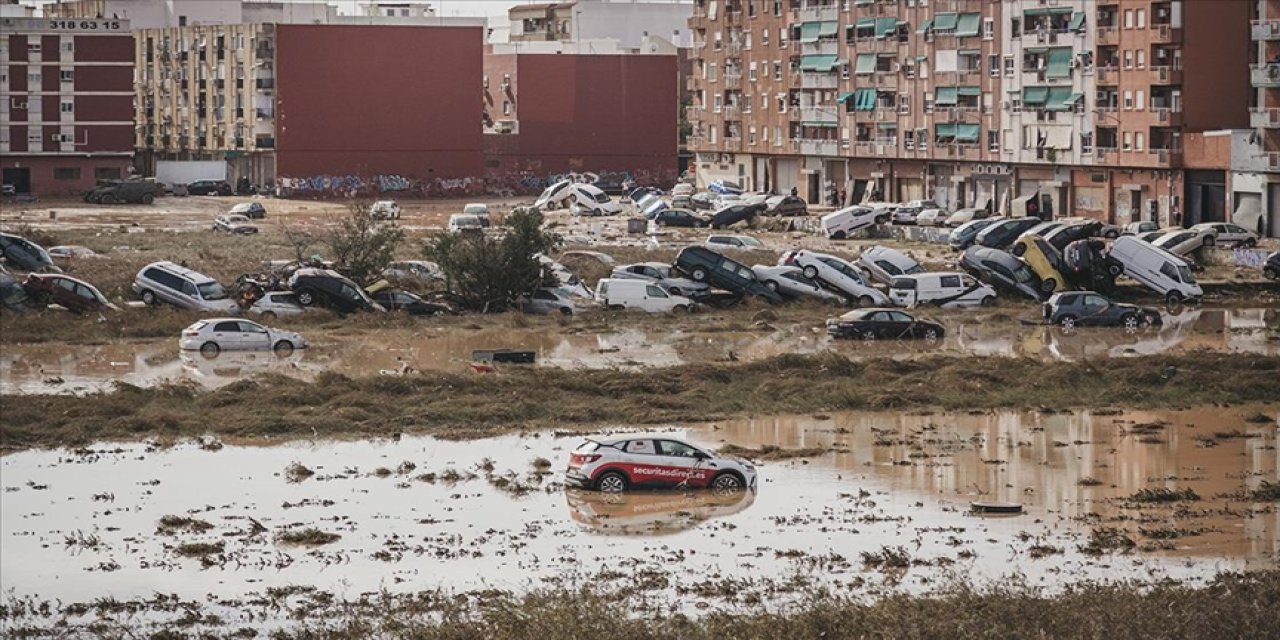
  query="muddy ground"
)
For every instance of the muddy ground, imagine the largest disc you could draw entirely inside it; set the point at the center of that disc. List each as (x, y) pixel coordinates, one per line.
(376, 485)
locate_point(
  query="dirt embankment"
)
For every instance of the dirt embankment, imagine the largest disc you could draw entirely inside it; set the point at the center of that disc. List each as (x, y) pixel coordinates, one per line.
(472, 405)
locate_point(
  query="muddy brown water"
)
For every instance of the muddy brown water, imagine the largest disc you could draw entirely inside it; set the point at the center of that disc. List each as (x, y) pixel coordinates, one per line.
(80, 525)
(47, 368)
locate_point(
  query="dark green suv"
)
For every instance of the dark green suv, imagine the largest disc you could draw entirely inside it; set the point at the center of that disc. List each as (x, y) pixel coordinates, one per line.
(1073, 309)
(705, 265)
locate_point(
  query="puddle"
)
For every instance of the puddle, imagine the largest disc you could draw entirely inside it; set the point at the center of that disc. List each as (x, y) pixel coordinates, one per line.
(82, 369)
(420, 513)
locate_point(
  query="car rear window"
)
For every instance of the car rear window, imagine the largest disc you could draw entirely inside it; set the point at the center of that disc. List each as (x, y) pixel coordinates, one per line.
(587, 447)
(903, 283)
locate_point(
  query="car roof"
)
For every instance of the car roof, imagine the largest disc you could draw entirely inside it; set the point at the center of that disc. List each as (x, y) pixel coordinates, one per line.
(612, 440)
(180, 270)
(226, 319)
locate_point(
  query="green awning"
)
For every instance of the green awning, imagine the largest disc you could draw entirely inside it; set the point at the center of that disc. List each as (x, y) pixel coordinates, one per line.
(829, 28)
(1035, 49)
(865, 23)
(945, 21)
(863, 3)
(946, 97)
(968, 132)
(886, 125)
(809, 31)
(968, 24)
(970, 52)
(1049, 11)
(1060, 99)
(924, 28)
(944, 130)
(817, 63)
(825, 124)
(970, 91)
(864, 64)
(844, 97)
(1077, 21)
(1034, 96)
(886, 26)
(865, 100)
(1059, 62)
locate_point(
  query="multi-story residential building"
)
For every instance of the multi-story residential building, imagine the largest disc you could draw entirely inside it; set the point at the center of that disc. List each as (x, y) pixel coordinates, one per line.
(1255, 175)
(298, 101)
(1078, 106)
(66, 103)
(549, 110)
(627, 21)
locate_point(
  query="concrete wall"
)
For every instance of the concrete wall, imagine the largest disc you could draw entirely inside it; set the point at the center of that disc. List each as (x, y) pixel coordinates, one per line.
(369, 101)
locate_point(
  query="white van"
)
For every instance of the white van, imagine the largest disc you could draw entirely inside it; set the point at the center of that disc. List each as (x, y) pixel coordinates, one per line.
(182, 287)
(639, 295)
(589, 200)
(946, 289)
(1157, 269)
(843, 223)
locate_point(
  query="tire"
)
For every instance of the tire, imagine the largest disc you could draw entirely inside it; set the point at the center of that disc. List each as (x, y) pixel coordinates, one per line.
(810, 272)
(931, 335)
(867, 336)
(107, 198)
(865, 301)
(988, 301)
(1250, 243)
(679, 310)
(210, 350)
(699, 274)
(283, 348)
(148, 297)
(1049, 285)
(771, 285)
(1270, 274)
(1173, 297)
(727, 481)
(612, 482)
(1129, 322)
(839, 235)
(1067, 323)
(306, 298)
(1210, 241)
(148, 198)
(1115, 269)
(1018, 250)
(566, 311)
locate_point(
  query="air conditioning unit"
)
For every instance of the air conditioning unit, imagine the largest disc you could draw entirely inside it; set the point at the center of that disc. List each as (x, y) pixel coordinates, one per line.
(1004, 105)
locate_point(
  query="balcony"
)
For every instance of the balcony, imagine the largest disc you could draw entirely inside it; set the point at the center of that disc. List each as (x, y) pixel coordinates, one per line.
(958, 114)
(1266, 30)
(1166, 157)
(264, 114)
(693, 112)
(818, 114)
(829, 13)
(691, 83)
(1167, 117)
(1265, 75)
(1166, 75)
(819, 147)
(1107, 75)
(732, 80)
(959, 151)
(1107, 35)
(1165, 33)
(876, 147)
(732, 112)
(1263, 118)
(812, 80)
(265, 83)
(696, 141)
(821, 47)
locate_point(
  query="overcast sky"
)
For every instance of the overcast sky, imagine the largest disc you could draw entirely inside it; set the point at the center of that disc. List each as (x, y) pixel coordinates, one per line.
(443, 7)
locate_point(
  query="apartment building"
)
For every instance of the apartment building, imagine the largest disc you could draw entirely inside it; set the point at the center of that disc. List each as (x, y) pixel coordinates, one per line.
(1078, 106)
(1255, 167)
(298, 101)
(66, 103)
(627, 21)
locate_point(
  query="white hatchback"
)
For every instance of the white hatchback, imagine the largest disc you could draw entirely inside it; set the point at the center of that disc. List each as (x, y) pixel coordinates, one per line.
(840, 275)
(637, 461)
(216, 335)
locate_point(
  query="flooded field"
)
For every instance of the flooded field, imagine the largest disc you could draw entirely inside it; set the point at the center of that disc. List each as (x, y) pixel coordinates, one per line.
(48, 368)
(881, 501)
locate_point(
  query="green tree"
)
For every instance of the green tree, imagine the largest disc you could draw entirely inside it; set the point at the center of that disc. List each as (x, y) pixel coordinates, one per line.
(490, 272)
(360, 245)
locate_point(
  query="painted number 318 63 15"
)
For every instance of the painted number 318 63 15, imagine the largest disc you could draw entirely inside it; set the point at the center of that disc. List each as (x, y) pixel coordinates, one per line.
(653, 462)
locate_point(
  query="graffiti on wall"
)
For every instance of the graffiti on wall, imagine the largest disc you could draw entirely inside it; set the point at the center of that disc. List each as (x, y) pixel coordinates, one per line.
(504, 183)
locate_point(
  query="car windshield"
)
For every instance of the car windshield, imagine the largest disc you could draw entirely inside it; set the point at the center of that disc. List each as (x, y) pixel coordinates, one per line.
(212, 291)
(916, 269)
(1184, 274)
(466, 221)
(601, 197)
(749, 242)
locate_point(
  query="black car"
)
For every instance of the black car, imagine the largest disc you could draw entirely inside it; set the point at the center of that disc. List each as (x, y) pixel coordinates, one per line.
(702, 201)
(26, 255)
(883, 324)
(330, 289)
(1271, 268)
(705, 265)
(413, 304)
(1001, 270)
(13, 297)
(1066, 234)
(209, 188)
(734, 214)
(786, 206)
(1087, 265)
(680, 218)
(1003, 233)
(1073, 309)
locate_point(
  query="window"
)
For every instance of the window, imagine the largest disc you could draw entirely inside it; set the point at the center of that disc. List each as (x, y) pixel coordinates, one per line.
(1142, 58)
(1142, 18)
(67, 106)
(764, 37)
(1139, 141)
(676, 449)
(782, 37)
(1128, 18)
(639, 446)
(777, 70)
(34, 81)
(1086, 142)
(227, 327)
(506, 108)
(1128, 59)
(988, 28)
(1128, 100)
(68, 46)
(751, 136)
(993, 65)
(950, 281)
(751, 72)
(904, 103)
(782, 103)
(1008, 66)
(66, 173)
(1140, 101)
(993, 140)
(777, 135)
(33, 47)
(251, 327)
(717, 103)
(654, 291)
(1127, 145)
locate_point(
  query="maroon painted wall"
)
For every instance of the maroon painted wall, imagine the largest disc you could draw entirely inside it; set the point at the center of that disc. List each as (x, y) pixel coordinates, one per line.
(593, 113)
(104, 49)
(377, 100)
(1215, 65)
(103, 78)
(103, 108)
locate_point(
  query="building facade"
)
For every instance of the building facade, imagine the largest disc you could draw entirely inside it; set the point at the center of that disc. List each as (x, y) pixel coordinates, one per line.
(627, 21)
(1078, 107)
(66, 103)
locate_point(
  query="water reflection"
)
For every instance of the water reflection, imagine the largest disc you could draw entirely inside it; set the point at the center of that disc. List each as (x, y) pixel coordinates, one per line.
(652, 513)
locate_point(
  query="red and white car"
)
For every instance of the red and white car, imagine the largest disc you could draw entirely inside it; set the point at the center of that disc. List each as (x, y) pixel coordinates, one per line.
(647, 461)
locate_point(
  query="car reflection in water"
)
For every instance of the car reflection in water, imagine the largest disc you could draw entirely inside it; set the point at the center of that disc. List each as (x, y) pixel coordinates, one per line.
(230, 366)
(652, 513)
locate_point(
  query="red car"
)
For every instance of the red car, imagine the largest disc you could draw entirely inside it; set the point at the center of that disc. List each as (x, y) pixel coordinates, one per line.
(74, 294)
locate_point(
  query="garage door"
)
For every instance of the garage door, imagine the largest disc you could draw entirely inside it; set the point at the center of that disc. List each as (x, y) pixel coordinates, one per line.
(788, 170)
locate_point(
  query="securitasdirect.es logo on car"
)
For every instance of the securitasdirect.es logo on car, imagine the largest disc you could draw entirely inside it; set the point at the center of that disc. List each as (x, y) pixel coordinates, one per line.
(666, 471)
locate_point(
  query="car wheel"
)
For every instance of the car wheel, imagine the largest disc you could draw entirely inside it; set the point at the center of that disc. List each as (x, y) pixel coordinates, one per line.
(1250, 242)
(612, 482)
(839, 235)
(148, 297)
(306, 298)
(867, 336)
(1173, 298)
(771, 285)
(679, 310)
(1115, 269)
(699, 274)
(988, 301)
(1068, 322)
(1049, 285)
(1018, 250)
(283, 348)
(566, 311)
(148, 198)
(727, 481)
(1270, 274)
(107, 198)
(931, 334)
(811, 272)
(1130, 322)
(865, 301)
(210, 350)
(1209, 241)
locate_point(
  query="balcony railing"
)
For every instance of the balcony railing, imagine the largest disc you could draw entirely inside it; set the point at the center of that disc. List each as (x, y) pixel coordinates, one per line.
(733, 79)
(1166, 33)
(1166, 75)
(731, 112)
(1107, 75)
(1266, 30)
(818, 114)
(1266, 75)
(1166, 157)
(1264, 118)
(819, 147)
(823, 47)
(813, 80)
(829, 12)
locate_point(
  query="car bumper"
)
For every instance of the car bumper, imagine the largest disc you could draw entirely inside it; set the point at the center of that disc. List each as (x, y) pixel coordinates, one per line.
(189, 344)
(576, 478)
